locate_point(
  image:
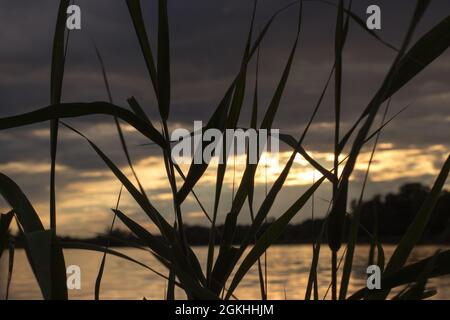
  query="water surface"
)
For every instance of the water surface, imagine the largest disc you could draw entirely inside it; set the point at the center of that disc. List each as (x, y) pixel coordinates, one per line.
(288, 268)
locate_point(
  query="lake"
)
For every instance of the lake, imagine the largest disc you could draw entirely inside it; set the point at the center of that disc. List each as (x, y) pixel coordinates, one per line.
(288, 268)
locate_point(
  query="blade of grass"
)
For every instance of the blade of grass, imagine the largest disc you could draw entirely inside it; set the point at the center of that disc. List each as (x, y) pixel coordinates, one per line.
(408, 274)
(140, 112)
(197, 199)
(165, 252)
(417, 227)
(374, 239)
(417, 290)
(5, 222)
(423, 52)
(165, 228)
(271, 196)
(56, 81)
(378, 245)
(337, 214)
(71, 110)
(362, 24)
(270, 236)
(241, 194)
(313, 202)
(42, 246)
(231, 123)
(254, 125)
(338, 267)
(98, 280)
(92, 247)
(10, 267)
(59, 52)
(196, 171)
(156, 245)
(134, 7)
(163, 76)
(20, 204)
(170, 294)
(355, 220)
(232, 100)
(317, 245)
(137, 109)
(291, 141)
(163, 71)
(124, 147)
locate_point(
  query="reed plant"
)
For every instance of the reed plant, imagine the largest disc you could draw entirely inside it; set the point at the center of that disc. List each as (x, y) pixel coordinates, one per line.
(226, 268)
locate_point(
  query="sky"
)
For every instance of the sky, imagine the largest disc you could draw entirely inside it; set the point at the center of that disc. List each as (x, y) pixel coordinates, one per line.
(207, 42)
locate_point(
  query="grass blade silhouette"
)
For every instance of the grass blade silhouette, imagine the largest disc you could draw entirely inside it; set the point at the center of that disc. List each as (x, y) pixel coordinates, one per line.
(134, 8)
(417, 227)
(72, 110)
(42, 246)
(270, 236)
(56, 81)
(5, 222)
(163, 70)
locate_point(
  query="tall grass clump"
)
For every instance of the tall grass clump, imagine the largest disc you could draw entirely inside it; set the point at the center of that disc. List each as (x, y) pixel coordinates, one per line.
(226, 268)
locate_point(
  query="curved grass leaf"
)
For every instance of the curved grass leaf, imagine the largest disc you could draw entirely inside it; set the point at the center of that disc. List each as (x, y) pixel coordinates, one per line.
(196, 171)
(231, 122)
(417, 227)
(167, 255)
(254, 125)
(125, 149)
(290, 141)
(93, 247)
(38, 246)
(164, 227)
(47, 261)
(156, 245)
(72, 110)
(362, 24)
(20, 204)
(137, 109)
(312, 277)
(98, 280)
(270, 236)
(242, 192)
(354, 226)
(42, 246)
(427, 49)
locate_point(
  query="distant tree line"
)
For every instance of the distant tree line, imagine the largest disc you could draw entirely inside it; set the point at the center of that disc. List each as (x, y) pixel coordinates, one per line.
(386, 217)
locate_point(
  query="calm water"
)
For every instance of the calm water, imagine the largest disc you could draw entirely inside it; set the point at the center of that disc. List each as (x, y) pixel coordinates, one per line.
(288, 268)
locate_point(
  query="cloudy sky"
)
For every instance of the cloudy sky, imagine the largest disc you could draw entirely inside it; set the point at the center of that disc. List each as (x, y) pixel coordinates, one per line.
(207, 41)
